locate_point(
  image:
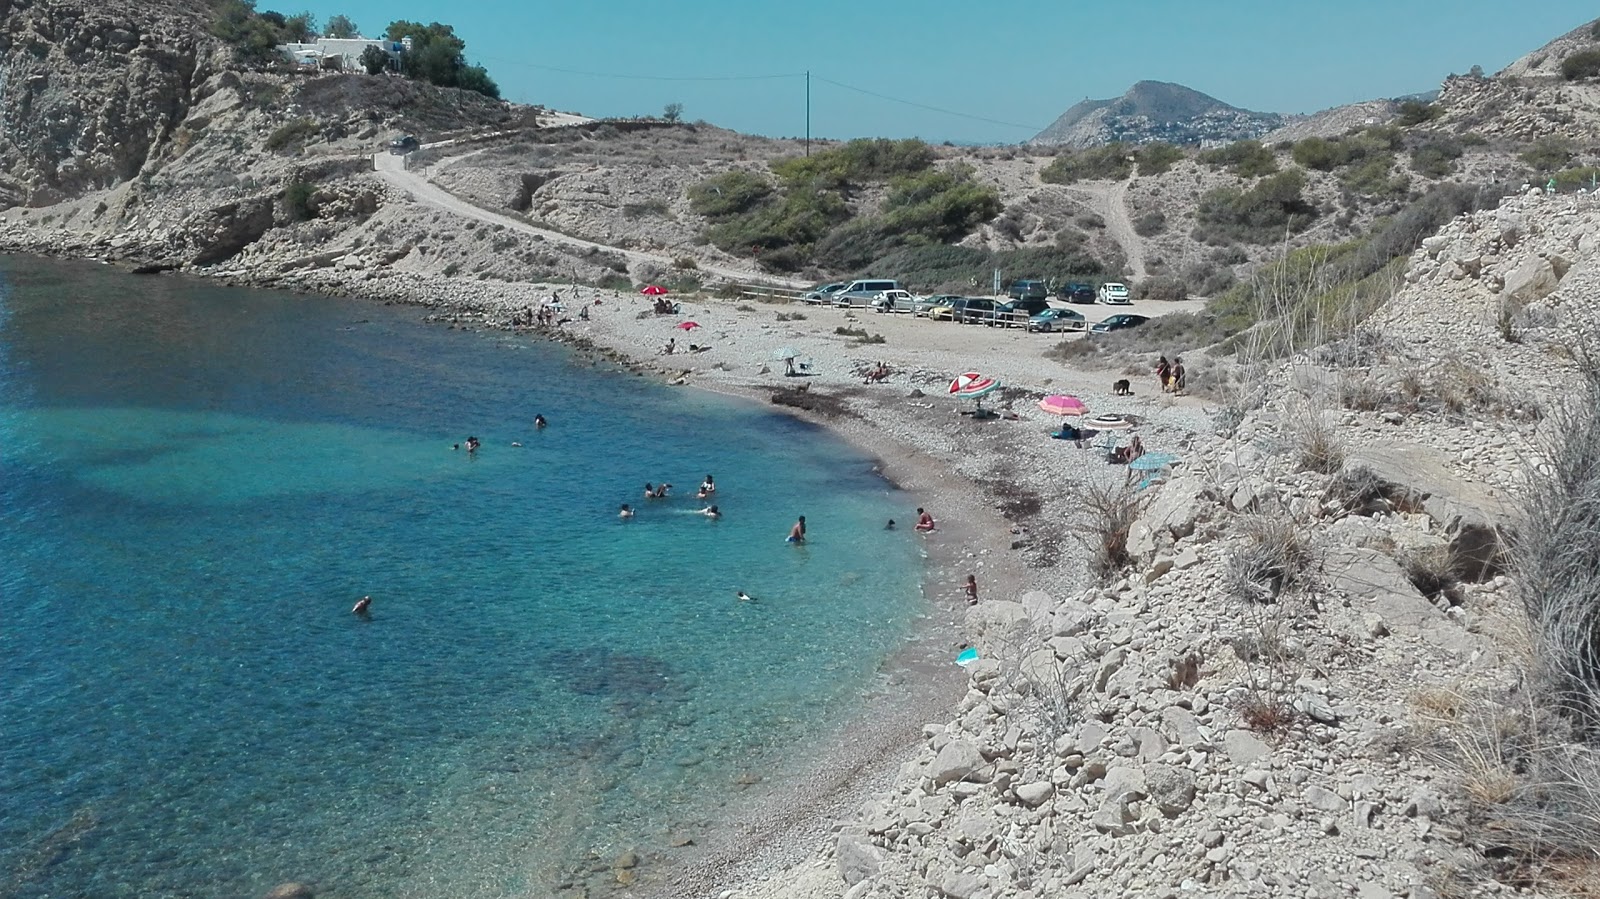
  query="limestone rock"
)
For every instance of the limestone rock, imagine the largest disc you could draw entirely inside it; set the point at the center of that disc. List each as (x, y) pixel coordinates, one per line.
(1171, 789)
(858, 858)
(1244, 748)
(1036, 794)
(957, 760)
(290, 890)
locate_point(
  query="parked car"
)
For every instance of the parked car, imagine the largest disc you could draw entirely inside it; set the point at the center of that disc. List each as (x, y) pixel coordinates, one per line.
(1115, 294)
(403, 144)
(1017, 312)
(975, 309)
(1057, 320)
(1078, 293)
(945, 310)
(862, 292)
(822, 293)
(1025, 289)
(895, 301)
(1119, 323)
(925, 305)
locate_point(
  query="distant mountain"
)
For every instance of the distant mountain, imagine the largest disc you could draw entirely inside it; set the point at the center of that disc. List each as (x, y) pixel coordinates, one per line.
(1156, 110)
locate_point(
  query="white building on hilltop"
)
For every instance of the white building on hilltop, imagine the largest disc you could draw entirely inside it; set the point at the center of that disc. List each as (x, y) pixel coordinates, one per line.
(347, 50)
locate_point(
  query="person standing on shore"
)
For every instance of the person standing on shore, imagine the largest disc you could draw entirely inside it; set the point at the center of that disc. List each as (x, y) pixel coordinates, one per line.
(925, 521)
(971, 587)
(1177, 374)
(797, 534)
(1164, 373)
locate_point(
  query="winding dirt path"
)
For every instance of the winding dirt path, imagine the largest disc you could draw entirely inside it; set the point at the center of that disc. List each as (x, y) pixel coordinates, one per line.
(392, 168)
(1111, 202)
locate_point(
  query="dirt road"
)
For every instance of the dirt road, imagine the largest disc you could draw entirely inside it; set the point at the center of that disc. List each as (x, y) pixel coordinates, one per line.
(392, 168)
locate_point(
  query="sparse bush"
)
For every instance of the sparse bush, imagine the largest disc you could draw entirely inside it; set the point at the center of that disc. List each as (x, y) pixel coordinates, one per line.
(1548, 154)
(1436, 159)
(1581, 65)
(1106, 515)
(1164, 289)
(1435, 572)
(1090, 221)
(1317, 444)
(297, 201)
(1415, 112)
(1157, 158)
(1373, 178)
(1245, 158)
(1150, 224)
(1110, 162)
(857, 162)
(791, 316)
(729, 194)
(1321, 153)
(294, 134)
(1276, 557)
(1262, 214)
(843, 331)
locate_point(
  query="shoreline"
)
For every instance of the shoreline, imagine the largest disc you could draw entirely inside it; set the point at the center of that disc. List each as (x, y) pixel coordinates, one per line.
(921, 447)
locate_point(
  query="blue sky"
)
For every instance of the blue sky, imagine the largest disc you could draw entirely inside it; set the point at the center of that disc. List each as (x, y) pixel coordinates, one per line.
(1019, 63)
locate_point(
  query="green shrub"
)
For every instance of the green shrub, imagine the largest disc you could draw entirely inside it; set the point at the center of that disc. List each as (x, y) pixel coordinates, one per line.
(1436, 159)
(728, 194)
(1262, 214)
(1321, 153)
(438, 57)
(1150, 223)
(860, 161)
(1157, 158)
(1548, 154)
(1109, 162)
(1572, 179)
(297, 201)
(1473, 139)
(960, 269)
(294, 134)
(1581, 65)
(1415, 112)
(1166, 289)
(1245, 158)
(1372, 178)
(1331, 288)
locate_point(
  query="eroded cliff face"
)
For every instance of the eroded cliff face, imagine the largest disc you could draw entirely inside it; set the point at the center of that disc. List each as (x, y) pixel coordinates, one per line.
(89, 93)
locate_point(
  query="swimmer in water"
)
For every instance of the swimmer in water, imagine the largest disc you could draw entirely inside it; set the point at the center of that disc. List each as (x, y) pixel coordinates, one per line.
(745, 597)
(797, 534)
(709, 486)
(625, 512)
(649, 491)
(539, 422)
(890, 525)
(711, 512)
(362, 606)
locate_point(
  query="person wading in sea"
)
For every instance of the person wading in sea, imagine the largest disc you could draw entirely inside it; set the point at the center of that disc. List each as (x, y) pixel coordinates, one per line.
(797, 534)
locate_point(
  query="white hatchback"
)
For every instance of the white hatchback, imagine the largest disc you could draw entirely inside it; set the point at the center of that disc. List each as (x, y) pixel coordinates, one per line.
(1113, 293)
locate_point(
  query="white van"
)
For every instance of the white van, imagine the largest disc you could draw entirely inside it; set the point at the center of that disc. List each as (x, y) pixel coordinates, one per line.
(863, 292)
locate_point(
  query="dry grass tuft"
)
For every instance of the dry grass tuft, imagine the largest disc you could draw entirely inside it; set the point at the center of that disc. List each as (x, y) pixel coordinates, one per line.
(1277, 556)
(1106, 515)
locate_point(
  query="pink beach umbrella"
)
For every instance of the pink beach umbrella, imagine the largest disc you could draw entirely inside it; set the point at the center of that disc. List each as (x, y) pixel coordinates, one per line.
(654, 290)
(1061, 404)
(687, 326)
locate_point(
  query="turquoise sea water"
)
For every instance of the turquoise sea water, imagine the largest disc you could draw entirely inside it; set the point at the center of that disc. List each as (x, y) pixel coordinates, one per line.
(197, 483)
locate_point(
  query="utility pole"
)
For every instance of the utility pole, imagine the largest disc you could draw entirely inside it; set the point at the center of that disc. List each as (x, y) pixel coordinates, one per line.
(808, 112)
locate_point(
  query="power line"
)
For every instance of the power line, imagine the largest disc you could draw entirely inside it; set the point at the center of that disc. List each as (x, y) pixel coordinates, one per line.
(627, 77)
(939, 109)
(771, 77)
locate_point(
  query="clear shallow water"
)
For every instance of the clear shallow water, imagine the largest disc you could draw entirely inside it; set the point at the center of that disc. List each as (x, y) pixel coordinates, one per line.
(196, 484)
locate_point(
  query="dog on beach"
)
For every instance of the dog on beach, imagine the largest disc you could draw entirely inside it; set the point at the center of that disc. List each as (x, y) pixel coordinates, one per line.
(1122, 388)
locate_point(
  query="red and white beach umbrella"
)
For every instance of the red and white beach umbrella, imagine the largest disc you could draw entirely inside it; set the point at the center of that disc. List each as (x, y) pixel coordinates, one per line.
(654, 290)
(687, 326)
(971, 385)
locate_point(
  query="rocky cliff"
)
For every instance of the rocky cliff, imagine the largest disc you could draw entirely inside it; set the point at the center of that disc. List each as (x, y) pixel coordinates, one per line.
(88, 93)
(1156, 110)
